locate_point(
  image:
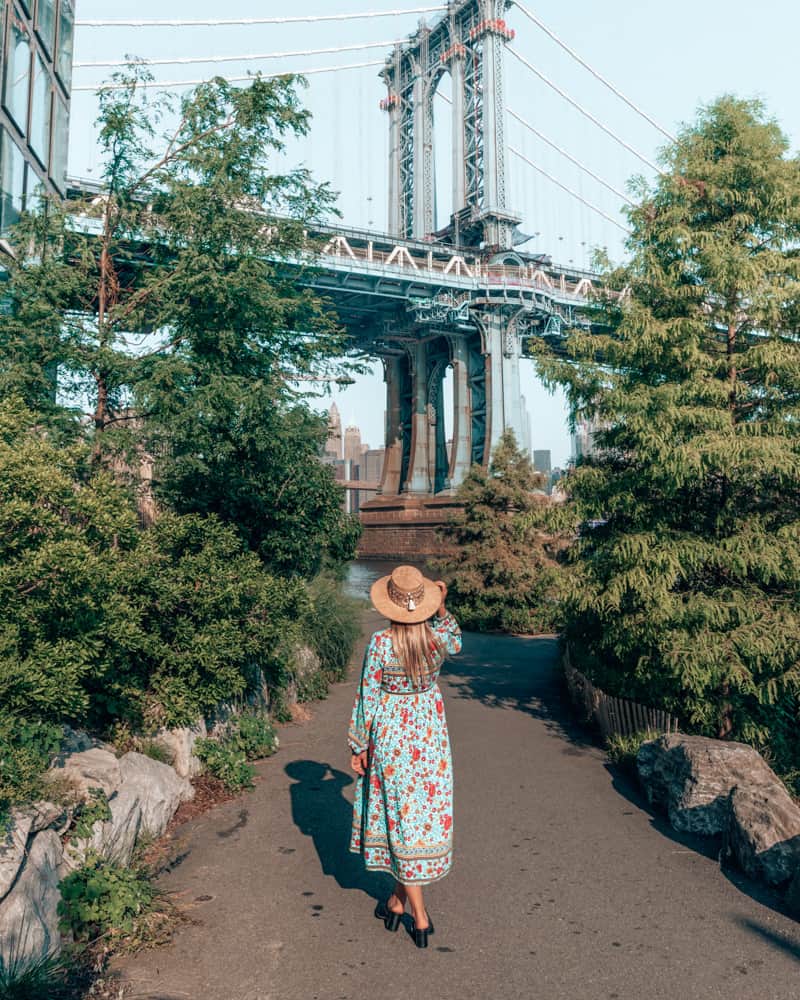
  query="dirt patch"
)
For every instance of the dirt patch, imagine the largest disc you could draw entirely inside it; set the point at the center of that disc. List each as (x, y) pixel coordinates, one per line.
(208, 792)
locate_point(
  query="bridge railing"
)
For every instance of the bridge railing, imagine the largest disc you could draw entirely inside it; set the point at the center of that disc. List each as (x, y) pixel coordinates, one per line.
(412, 260)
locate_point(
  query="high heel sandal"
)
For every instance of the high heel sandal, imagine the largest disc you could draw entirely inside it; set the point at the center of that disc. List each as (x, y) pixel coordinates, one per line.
(421, 936)
(391, 920)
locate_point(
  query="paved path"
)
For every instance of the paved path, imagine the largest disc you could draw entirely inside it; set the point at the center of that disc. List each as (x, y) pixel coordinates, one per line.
(564, 885)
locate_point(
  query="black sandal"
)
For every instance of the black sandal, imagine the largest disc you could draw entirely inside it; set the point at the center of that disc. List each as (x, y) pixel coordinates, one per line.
(421, 936)
(391, 920)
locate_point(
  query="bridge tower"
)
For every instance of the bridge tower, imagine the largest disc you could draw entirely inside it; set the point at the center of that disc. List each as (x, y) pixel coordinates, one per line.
(478, 339)
(468, 43)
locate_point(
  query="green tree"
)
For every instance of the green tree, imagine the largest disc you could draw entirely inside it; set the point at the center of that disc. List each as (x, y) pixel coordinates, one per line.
(254, 461)
(102, 621)
(174, 302)
(504, 572)
(687, 593)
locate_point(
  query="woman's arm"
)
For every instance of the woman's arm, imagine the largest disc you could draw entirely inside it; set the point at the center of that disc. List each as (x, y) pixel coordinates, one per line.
(366, 702)
(445, 626)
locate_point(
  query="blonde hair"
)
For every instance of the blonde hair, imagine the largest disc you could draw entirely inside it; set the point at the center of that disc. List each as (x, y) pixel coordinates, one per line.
(417, 649)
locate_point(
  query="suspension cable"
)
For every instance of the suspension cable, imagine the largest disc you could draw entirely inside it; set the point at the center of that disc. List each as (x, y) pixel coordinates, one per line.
(217, 22)
(583, 111)
(597, 75)
(569, 156)
(559, 149)
(564, 187)
(220, 59)
(231, 79)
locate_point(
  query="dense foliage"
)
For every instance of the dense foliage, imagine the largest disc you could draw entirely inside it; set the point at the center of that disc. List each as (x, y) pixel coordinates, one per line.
(504, 572)
(160, 324)
(686, 592)
(173, 311)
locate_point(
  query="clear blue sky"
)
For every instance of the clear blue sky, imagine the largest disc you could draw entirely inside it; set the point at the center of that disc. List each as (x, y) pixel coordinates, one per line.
(669, 58)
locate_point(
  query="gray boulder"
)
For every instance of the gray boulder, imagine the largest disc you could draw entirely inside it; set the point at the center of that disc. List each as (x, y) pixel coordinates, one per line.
(691, 778)
(764, 832)
(114, 838)
(29, 913)
(179, 744)
(157, 788)
(95, 768)
(12, 849)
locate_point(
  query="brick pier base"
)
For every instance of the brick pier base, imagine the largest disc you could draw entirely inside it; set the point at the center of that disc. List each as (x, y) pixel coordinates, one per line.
(404, 527)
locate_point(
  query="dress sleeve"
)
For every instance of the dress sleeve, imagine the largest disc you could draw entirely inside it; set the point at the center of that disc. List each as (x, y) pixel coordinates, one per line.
(367, 698)
(448, 631)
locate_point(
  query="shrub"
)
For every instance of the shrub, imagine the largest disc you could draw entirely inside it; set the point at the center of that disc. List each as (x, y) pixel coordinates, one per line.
(227, 762)
(102, 897)
(255, 735)
(331, 626)
(94, 809)
(26, 749)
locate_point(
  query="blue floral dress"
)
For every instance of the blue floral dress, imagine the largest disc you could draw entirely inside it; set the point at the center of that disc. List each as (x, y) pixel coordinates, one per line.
(403, 808)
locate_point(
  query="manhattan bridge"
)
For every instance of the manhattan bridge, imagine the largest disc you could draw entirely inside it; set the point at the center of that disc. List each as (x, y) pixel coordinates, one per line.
(463, 298)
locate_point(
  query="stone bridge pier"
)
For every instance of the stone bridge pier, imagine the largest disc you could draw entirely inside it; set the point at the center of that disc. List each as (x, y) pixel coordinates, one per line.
(422, 468)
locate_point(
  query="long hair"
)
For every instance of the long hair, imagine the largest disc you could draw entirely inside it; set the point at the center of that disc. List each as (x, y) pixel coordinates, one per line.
(417, 649)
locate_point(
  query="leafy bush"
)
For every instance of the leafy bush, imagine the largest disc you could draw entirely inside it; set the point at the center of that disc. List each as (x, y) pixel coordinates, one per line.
(103, 622)
(504, 574)
(103, 897)
(26, 749)
(227, 762)
(248, 737)
(255, 735)
(332, 625)
(94, 809)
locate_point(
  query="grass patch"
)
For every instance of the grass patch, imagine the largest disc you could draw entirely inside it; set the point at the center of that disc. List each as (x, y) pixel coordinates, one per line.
(622, 750)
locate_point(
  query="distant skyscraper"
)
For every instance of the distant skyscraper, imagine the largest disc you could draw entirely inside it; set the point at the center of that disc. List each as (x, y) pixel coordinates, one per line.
(334, 444)
(584, 439)
(542, 461)
(352, 444)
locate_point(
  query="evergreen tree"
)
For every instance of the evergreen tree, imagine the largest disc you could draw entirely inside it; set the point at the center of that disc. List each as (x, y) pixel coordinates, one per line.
(687, 593)
(503, 573)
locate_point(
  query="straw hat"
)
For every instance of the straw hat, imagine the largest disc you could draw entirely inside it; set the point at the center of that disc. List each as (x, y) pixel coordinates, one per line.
(406, 596)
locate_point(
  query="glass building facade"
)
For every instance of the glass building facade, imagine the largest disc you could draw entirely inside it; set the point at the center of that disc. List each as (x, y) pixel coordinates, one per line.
(36, 39)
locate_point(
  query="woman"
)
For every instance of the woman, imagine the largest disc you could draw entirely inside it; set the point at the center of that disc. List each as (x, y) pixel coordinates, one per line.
(403, 809)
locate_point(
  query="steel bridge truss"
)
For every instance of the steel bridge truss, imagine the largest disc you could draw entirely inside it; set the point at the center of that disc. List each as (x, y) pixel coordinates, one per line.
(467, 42)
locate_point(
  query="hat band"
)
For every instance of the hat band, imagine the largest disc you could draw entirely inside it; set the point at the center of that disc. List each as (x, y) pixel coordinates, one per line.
(406, 599)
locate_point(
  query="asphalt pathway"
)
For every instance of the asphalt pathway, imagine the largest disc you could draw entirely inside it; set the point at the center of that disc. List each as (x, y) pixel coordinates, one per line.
(564, 884)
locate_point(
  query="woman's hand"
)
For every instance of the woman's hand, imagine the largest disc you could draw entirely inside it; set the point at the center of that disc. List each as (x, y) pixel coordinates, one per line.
(358, 762)
(443, 587)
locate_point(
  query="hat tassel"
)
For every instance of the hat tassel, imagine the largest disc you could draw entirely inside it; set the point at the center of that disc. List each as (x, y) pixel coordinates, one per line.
(411, 605)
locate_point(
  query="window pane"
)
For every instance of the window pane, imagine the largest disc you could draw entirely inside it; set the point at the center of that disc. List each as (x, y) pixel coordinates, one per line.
(18, 70)
(40, 112)
(13, 172)
(46, 23)
(58, 170)
(66, 30)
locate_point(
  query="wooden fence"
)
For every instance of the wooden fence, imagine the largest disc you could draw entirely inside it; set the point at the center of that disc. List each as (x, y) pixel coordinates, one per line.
(613, 716)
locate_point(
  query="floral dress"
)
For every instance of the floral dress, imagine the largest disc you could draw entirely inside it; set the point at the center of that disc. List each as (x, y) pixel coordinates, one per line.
(403, 808)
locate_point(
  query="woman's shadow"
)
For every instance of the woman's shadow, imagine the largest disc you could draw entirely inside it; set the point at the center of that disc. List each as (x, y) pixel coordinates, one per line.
(321, 811)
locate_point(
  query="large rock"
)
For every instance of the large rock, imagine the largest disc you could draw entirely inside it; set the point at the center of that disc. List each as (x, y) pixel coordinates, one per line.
(764, 832)
(158, 789)
(12, 849)
(691, 778)
(179, 744)
(29, 913)
(114, 838)
(95, 768)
